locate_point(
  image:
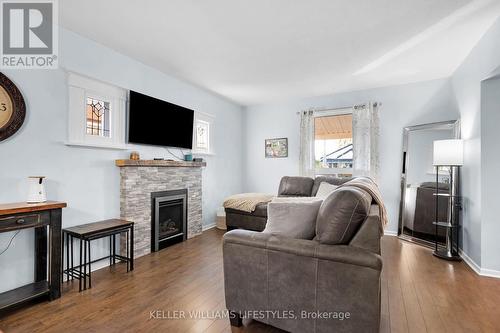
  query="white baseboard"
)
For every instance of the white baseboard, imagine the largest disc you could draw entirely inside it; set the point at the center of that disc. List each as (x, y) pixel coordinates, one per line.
(476, 268)
(490, 272)
(208, 227)
(390, 233)
(471, 263)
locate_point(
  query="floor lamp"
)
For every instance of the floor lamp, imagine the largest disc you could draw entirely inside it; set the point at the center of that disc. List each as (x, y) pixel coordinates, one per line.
(448, 153)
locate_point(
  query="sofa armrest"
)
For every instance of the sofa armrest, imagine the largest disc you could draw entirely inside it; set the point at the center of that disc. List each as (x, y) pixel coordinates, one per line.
(307, 248)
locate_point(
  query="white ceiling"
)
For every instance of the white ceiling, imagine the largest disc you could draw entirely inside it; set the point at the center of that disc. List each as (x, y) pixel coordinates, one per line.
(260, 51)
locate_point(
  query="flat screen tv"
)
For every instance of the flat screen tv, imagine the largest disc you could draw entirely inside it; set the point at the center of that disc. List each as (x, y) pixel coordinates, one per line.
(152, 121)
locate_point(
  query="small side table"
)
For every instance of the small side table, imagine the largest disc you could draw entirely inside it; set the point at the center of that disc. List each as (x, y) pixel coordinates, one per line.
(86, 233)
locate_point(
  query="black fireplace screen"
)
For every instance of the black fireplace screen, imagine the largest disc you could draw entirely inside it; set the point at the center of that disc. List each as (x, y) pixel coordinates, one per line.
(168, 218)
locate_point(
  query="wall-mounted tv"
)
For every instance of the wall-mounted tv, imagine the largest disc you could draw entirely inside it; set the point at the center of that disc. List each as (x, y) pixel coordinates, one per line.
(152, 121)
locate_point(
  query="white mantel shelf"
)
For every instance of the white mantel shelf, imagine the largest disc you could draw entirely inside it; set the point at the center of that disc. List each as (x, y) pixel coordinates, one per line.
(159, 163)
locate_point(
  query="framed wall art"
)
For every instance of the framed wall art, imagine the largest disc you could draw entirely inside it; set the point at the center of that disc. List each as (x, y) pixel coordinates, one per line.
(276, 148)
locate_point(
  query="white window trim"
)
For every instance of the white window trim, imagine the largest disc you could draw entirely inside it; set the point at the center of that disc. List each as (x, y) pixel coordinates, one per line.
(326, 113)
(209, 119)
(79, 89)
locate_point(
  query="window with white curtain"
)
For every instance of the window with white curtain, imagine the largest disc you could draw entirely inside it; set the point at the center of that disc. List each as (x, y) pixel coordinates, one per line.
(343, 141)
(333, 146)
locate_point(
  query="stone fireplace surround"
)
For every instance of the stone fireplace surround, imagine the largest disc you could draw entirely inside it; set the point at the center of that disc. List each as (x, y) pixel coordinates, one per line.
(140, 178)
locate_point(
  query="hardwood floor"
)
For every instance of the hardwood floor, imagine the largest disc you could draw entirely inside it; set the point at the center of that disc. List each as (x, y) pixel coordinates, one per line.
(420, 293)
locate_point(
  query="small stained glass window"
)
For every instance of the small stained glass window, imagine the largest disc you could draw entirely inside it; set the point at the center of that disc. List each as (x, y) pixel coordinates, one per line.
(98, 117)
(202, 135)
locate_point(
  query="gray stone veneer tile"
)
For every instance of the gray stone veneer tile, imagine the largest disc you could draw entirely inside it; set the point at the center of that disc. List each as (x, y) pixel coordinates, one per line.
(136, 186)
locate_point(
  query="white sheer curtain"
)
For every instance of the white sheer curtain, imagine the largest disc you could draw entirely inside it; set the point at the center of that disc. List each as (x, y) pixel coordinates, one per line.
(365, 126)
(306, 158)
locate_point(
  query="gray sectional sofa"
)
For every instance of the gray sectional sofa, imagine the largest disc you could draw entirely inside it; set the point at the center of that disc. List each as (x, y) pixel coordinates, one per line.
(309, 285)
(289, 187)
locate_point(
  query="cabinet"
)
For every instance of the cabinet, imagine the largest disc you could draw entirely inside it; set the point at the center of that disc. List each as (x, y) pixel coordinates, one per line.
(46, 219)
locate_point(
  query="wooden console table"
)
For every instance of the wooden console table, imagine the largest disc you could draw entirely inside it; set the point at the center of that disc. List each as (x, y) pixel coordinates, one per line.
(17, 216)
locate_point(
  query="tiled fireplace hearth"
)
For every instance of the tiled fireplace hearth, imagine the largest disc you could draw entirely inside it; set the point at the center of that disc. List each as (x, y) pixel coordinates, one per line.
(139, 179)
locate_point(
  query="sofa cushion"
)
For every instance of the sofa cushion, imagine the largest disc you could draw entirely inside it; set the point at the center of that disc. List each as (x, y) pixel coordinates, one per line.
(341, 215)
(293, 219)
(334, 180)
(295, 186)
(325, 189)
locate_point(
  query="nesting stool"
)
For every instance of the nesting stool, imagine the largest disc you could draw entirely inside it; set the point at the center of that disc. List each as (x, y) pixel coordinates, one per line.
(86, 233)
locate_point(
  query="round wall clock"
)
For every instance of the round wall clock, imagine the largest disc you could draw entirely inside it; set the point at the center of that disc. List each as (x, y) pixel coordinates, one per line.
(12, 108)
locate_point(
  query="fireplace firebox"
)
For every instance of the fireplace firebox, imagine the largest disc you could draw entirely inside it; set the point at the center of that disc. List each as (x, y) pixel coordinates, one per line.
(168, 218)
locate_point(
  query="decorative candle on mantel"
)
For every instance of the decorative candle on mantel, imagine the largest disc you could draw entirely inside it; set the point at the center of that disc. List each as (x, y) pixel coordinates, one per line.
(134, 156)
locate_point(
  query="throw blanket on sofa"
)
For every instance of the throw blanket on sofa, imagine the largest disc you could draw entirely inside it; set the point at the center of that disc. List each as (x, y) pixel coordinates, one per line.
(247, 201)
(367, 184)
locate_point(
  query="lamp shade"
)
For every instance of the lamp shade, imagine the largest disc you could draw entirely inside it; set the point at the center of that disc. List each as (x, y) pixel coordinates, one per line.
(448, 152)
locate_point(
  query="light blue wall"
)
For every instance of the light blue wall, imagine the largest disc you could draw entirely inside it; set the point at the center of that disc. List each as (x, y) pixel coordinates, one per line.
(87, 178)
(490, 166)
(483, 60)
(403, 105)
